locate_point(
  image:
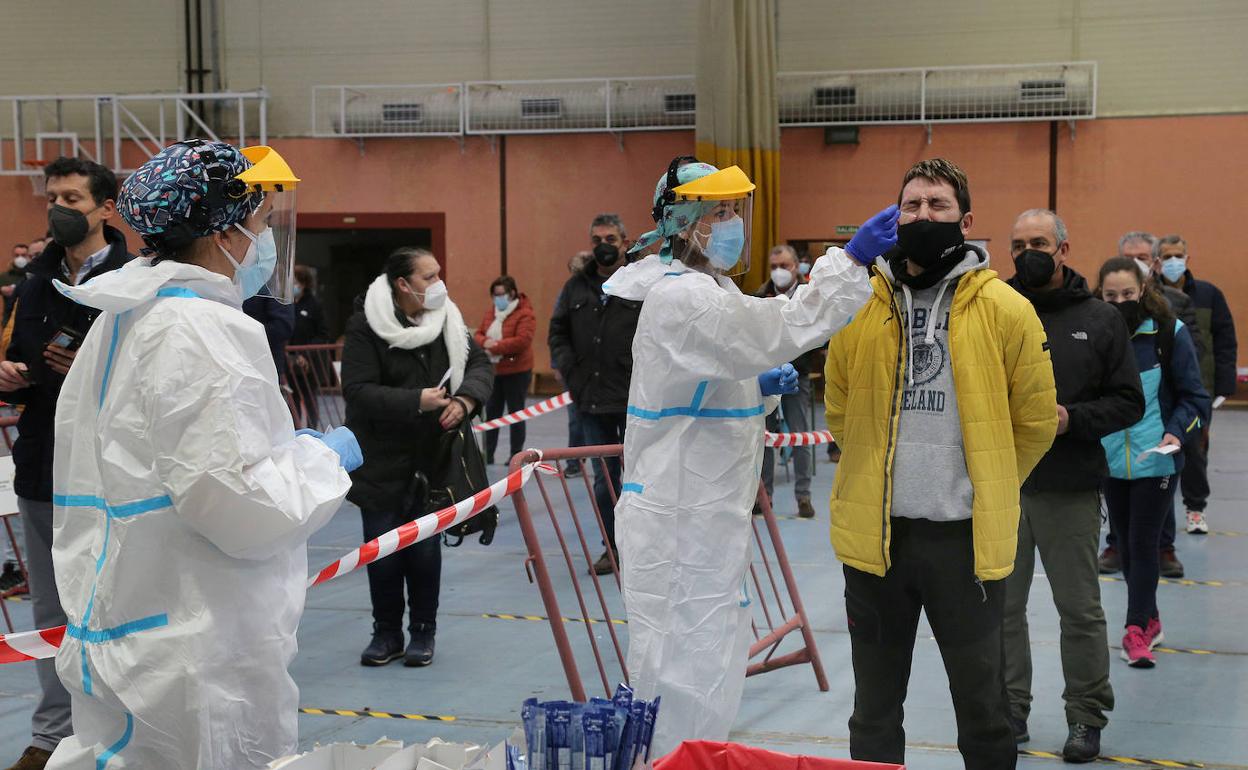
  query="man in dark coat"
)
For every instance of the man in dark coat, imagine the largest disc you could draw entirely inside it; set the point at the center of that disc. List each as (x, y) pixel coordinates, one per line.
(591, 345)
(1218, 351)
(1098, 393)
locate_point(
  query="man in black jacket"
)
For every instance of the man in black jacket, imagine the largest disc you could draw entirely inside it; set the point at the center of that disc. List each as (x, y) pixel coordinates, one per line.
(1098, 393)
(1218, 353)
(591, 345)
(46, 330)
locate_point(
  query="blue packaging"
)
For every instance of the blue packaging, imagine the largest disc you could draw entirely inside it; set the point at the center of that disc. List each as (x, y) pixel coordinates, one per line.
(594, 728)
(652, 715)
(558, 735)
(537, 744)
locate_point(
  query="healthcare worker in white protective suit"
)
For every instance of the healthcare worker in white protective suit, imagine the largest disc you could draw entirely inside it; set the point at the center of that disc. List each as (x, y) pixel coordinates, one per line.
(693, 447)
(183, 497)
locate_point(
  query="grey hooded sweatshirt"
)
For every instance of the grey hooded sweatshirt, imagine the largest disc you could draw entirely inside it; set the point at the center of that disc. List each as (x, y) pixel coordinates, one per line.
(930, 480)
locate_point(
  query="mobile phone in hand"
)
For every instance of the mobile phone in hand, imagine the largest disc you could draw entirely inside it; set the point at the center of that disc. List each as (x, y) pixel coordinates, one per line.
(67, 337)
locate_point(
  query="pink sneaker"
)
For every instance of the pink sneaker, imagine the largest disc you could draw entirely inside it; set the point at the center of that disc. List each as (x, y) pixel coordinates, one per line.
(1152, 633)
(1135, 649)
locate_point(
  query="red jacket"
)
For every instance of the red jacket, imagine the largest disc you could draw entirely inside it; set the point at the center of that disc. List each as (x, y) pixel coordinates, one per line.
(516, 346)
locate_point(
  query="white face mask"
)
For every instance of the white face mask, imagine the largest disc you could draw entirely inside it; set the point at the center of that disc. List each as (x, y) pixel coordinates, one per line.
(434, 295)
(20, 262)
(782, 278)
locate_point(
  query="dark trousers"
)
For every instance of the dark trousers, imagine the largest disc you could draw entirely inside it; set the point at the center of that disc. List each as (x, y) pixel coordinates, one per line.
(52, 720)
(605, 429)
(1167, 528)
(1138, 509)
(1195, 476)
(933, 570)
(509, 392)
(418, 566)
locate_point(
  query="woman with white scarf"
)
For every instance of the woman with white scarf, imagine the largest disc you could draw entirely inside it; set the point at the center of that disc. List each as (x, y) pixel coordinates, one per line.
(506, 333)
(410, 373)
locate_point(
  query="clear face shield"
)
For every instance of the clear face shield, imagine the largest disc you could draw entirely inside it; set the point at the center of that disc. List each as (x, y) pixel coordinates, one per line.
(273, 223)
(720, 237)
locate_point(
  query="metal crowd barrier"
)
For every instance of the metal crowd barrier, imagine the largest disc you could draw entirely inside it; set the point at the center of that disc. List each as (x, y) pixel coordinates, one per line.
(314, 386)
(576, 535)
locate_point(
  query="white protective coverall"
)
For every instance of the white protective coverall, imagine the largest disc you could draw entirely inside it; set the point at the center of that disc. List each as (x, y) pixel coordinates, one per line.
(183, 501)
(693, 451)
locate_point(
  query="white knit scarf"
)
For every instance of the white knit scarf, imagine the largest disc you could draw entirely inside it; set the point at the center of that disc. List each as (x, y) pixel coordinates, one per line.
(380, 310)
(495, 332)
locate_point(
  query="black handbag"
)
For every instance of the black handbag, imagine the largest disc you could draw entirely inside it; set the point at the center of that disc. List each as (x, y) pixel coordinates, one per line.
(459, 473)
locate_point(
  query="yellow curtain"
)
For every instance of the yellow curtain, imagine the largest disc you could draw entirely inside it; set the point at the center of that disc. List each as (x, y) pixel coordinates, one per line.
(738, 116)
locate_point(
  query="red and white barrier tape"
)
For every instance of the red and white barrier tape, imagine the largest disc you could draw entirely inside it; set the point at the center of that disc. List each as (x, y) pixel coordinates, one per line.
(37, 645)
(31, 645)
(430, 524)
(798, 439)
(528, 413)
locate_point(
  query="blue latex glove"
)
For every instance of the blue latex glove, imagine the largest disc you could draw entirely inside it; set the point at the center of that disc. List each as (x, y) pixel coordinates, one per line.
(780, 381)
(342, 441)
(876, 236)
(310, 432)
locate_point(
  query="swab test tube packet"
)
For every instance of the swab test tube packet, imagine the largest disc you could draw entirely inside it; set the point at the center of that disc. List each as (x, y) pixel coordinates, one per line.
(534, 716)
(594, 727)
(652, 715)
(614, 718)
(558, 735)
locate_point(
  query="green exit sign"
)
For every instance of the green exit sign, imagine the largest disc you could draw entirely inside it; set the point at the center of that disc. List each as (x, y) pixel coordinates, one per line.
(846, 229)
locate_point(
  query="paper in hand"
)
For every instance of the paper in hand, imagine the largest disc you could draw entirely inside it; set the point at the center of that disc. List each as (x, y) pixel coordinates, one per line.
(1168, 449)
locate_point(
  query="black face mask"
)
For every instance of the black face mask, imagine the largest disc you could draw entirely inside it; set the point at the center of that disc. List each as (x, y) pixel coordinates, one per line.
(1034, 268)
(925, 242)
(69, 226)
(606, 254)
(1131, 313)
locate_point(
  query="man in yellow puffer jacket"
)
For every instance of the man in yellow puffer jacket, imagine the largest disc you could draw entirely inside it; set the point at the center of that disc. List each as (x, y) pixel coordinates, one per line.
(940, 394)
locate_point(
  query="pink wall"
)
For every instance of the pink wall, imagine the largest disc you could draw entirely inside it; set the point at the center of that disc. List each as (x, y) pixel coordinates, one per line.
(1160, 174)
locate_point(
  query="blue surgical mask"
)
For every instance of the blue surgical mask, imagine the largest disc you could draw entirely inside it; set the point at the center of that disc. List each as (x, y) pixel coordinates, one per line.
(804, 268)
(1174, 268)
(501, 303)
(726, 243)
(258, 263)
(298, 293)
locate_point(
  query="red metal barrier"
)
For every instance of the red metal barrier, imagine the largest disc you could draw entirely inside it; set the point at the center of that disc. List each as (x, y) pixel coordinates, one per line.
(315, 389)
(771, 628)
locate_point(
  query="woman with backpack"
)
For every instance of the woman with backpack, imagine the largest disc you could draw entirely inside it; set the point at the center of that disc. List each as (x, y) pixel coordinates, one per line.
(1144, 460)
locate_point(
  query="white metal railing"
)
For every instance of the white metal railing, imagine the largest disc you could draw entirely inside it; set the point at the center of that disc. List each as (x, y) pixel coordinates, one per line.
(926, 95)
(922, 95)
(99, 126)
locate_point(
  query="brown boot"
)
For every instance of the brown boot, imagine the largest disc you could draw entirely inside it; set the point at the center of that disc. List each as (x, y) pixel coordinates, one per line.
(1110, 561)
(1171, 567)
(804, 509)
(32, 759)
(603, 565)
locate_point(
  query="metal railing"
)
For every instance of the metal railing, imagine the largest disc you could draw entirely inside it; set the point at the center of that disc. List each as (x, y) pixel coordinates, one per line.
(101, 126)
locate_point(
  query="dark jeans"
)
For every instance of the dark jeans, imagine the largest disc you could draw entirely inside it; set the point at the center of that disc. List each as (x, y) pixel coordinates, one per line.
(1195, 476)
(509, 391)
(576, 432)
(419, 566)
(1137, 510)
(1167, 528)
(605, 429)
(933, 570)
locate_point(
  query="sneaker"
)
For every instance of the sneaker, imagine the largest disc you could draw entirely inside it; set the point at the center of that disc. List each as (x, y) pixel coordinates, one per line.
(21, 589)
(1019, 728)
(420, 649)
(804, 509)
(386, 646)
(603, 565)
(1135, 649)
(1083, 744)
(571, 470)
(1196, 524)
(1171, 567)
(32, 758)
(1152, 633)
(1110, 562)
